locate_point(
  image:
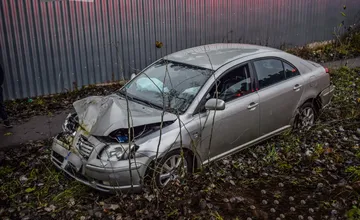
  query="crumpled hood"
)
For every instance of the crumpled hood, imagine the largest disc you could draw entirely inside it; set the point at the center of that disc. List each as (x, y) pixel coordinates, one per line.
(100, 115)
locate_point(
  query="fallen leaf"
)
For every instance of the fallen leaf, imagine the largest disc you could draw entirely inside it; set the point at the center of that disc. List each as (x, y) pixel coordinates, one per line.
(8, 134)
(23, 179)
(71, 202)
(328, 150)
(149, 197)
(114, 206)
(29, 190)
(159, 44)
(50, 208)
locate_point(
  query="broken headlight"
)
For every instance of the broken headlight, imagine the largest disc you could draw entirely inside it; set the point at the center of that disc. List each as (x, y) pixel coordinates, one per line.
(71, 124)
(117, 152)
(112, 153)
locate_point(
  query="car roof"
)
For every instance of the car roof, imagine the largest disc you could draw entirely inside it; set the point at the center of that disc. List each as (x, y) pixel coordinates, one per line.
(219, 54)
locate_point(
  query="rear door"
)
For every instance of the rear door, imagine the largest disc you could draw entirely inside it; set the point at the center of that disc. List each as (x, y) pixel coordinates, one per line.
(280, 87)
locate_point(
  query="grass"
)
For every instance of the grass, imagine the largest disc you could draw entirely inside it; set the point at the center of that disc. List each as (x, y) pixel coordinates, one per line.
(348, 46)
(48, 105)
(354, 172)
(353, 213)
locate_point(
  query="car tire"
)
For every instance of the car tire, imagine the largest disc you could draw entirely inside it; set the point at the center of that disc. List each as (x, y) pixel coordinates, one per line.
(306, 116)
(161, 169)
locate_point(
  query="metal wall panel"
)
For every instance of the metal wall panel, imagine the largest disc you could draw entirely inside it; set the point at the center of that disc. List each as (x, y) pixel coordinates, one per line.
(52, 46)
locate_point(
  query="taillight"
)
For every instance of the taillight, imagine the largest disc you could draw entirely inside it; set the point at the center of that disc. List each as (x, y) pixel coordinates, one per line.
(327, 70)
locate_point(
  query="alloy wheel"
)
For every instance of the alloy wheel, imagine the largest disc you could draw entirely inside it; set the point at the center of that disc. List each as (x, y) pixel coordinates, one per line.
(307, 117)
(175, 167)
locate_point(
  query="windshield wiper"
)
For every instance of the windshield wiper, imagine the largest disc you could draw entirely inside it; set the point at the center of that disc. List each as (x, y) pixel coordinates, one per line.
(138, 100)
(144, 102)
(122, 93)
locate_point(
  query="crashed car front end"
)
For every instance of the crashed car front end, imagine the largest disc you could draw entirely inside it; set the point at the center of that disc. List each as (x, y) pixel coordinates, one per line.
(111, 140)
(95, 149)
(87, 159)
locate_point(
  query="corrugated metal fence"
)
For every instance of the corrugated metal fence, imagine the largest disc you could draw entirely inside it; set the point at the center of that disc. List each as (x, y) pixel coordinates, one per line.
(51, 47)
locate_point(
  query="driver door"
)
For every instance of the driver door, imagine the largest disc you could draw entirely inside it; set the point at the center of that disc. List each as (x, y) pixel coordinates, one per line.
(222, 132)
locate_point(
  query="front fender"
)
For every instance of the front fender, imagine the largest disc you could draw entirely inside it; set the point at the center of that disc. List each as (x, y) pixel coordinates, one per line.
(170, 141)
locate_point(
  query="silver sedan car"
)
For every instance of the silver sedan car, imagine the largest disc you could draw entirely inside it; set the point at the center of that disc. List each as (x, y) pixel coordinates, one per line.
(188, 109)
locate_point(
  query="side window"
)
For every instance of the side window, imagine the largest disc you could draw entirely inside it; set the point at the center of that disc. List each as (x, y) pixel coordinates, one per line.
(233, 84)
(290, 71)
(269, 72)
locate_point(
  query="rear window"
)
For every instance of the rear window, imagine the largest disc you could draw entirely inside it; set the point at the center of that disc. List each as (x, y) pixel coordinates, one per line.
(290, 71)
(269, 72)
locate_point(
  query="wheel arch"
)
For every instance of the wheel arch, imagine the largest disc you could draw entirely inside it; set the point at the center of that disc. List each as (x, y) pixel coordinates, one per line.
(185, 149)
(316, 101)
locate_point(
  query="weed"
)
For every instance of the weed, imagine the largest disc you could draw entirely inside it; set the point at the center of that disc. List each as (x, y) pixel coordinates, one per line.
(52, 178)
(76, 189)
(354, 172)
(4, 171)
(357, 154)
(33, 174)
(353, 213)
(272, 155)
(295, 182)
(319, 149)
(277, 195)
(325, 205)
(284, 166)
(346, 46)
(173, 213)
(30, 189)
(216, 215)
(318, 170)
(338, 158)
(39, 101)
(10, 188)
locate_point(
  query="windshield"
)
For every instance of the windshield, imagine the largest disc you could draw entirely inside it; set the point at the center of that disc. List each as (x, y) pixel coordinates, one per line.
(168, 84)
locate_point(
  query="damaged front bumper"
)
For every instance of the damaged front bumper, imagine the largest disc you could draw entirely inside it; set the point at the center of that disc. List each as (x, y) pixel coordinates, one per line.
(107, 176)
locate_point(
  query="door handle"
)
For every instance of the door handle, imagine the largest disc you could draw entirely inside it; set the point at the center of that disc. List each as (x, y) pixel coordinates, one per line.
(297, 87)
(252, 105)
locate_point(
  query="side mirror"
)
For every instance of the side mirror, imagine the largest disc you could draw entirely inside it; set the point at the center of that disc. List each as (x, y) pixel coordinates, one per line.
(215, 104)
(133, 76)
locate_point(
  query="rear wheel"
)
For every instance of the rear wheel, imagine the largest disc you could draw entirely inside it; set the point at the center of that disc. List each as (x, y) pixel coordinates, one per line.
(307, 116)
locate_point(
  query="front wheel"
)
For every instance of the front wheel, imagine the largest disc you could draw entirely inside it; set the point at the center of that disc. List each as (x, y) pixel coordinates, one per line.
(175, 165)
